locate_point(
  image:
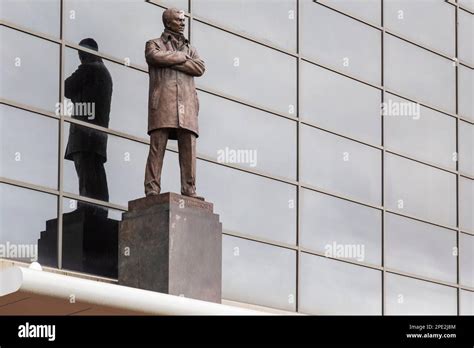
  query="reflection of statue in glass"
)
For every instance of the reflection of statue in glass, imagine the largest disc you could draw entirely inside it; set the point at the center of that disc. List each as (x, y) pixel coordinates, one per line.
(89, 237)
(90, 89)
(173, 103)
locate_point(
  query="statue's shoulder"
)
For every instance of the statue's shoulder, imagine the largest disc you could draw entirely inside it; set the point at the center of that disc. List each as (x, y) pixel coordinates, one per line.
(158, 41)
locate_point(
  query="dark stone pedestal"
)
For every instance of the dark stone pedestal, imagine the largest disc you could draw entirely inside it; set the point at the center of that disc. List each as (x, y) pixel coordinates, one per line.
(172, 244)
(90, 242)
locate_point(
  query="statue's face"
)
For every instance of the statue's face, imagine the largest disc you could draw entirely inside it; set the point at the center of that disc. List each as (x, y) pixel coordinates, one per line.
(178, 23)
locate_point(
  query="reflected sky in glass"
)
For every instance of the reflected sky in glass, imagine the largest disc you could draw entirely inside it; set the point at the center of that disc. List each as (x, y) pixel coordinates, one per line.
(258, 273)
(407, 296)
(121, 27)
(246, 70)
(38, 15)
(29, 69)
(17, 203)
(272, 21)
(232, 133)
(330, 287)
(415, 247)
(28, 156)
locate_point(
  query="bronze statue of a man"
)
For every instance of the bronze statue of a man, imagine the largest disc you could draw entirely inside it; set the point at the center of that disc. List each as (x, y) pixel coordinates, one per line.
(173, 103)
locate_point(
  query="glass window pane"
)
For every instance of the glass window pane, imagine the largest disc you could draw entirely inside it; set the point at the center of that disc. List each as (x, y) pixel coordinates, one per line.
(232, 133)
(38, 15)
(179, 4)
(466, 91)
(465, 37)
(408, 296)
(466, 303)
(328, 223)
(321, 94)
(419, 248)
(425, 77)
(121, 27)
(369, 10)
(342, 42)
(466, 148)
(29, 69)
(333, 287)
(258, 273)
(340, 165)
(269, 206)
(125, 160)
(466, 260)
(236, 69)
(246, 203)
(30, 156)
(431, 24)
(272, 21)
(90, 238)
(416, 189)
(122, 98)
(467, 4)
(466, 204)
(419, 132)
(19, 235)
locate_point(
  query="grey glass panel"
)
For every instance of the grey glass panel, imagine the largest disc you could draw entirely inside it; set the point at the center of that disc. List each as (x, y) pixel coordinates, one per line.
(419, 132)
(408, 296)
(334, 287)
(340, 228)
(38, 15)
(466, 91)
(27, 77)
(246, 203)
(466, 204)
(124, 169)
(430, 24)
(258, 273)
(425, 77)
(246, 70)
(342, 42)
(416, 189)
(340, 165)
(30, 156)
(272, 21)
(465, 37)
(466, 303)
(466, 260)
(369, 10)
(232, 133)
(179, 4)
(25, 215)
(467, 4)
(121, 28)
(129, 102)
(419, 248)
(89, 238)
(466, 148)
(321, 94)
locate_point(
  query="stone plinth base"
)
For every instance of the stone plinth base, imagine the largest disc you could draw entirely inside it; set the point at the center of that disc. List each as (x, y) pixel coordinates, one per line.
(172, 244)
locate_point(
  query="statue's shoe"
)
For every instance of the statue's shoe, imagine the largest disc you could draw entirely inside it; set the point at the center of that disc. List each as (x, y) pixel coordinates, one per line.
(193, 195)
(152, 193)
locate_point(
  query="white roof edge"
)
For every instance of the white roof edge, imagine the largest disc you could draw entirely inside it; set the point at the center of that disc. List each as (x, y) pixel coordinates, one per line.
(119, 297)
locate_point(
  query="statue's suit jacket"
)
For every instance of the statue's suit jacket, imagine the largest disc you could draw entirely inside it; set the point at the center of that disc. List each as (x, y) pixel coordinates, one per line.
(173, 101)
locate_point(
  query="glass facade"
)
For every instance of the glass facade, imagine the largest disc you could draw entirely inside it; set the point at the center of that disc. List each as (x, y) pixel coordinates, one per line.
(358, 193)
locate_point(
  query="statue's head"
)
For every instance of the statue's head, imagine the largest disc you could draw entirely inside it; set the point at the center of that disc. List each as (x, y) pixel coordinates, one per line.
(174, 20)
